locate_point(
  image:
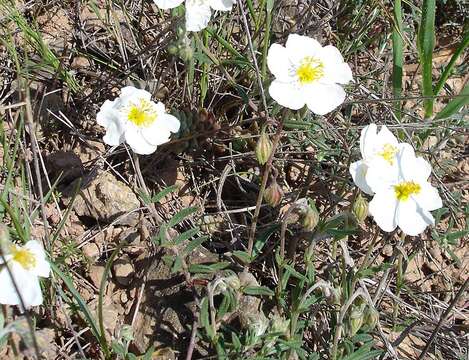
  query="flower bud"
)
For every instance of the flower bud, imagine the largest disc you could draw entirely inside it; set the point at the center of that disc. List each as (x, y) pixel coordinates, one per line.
(127, 333)
(263, 148)
(310, 219)
(360, 208)
(371, 317)
(173, 49)
(273, 194)
(233, 282)
(279, 325)
(356, 320)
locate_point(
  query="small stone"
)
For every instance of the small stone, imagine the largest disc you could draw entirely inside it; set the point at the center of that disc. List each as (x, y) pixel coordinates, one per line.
(96, 274)
(387, 250)
(80, 62)
(124, 298)
(91, 250)
(123, 271)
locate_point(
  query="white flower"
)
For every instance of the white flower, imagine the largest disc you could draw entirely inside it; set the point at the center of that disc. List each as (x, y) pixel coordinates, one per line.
(404, 197)
(198, 12)
(379, 151)
(307, 73)
(26, 263)
(135, 119)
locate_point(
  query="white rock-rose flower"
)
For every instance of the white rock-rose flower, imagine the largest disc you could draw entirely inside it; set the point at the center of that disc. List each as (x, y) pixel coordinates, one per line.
(134, 118)
(404, 197)
(379, 151)
(26, 263)
(198, 12)
(307, 73)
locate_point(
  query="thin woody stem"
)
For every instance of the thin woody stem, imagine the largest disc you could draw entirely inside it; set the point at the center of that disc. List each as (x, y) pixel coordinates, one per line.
(260, 196)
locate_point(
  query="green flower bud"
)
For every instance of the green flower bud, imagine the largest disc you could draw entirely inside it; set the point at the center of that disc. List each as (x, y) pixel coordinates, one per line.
(371, 317)
(186, 53)
(310, 219)
(127, 333)
(360, 208)
(173, 49)
(263, 148)
(273, 194)
(356, 320)
(279, 325)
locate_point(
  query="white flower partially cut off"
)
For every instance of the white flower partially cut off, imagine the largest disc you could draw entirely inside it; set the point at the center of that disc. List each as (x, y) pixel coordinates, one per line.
(379, 151)
(404, 197)
(307, 73)
(198, 12)
(26, 263)
(134, 118)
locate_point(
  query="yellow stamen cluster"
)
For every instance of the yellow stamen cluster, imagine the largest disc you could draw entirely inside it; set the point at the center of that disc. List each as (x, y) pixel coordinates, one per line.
(310, 70)
(142, 114)
(23, 256)
(405, 189)
(388, 153)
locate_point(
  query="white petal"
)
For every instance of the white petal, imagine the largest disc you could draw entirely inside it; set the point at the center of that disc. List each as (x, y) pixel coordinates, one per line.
(137, 142)
(107, 113)
(222, 5)
(168, 4)
(114, 133)
(197, 16)
(368, 140)
(358, 171)
(170, 122)
(383, 209)
(42, 267)
(28, 286)
(322, 99)
(335, 70)
(278, 62)
(130, 94)
(287, 95)
(412, 168)
(386, 137)
(409, 219)
(428, 199)
(299, 47)
(382, 176)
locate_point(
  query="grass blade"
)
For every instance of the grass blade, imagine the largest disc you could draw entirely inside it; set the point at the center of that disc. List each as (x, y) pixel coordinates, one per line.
(446, 73)
(455, 105)
(426, 44)
(397, 55)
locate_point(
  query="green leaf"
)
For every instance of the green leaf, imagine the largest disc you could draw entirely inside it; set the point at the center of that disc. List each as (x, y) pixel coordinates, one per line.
(263, 238)
(235, 340)
(426, 44)
(455, 104)
(208, 269)
(82, 305)
(118, 348)
(181, 215)
(258, 290)
(158, 197)
(397, 54)
(205, 318)
(243, 256)
(185, 236)
(294, 273)
(194, 244)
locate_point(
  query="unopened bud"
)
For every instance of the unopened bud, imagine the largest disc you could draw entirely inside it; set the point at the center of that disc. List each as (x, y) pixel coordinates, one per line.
(127, 333)
(371, 317)
(233, 282)
(173, 49)
(273, 194)
(310, 218)
(360, 208)
(279, 325)
(185, 52)
(356, 320)
(263, 148)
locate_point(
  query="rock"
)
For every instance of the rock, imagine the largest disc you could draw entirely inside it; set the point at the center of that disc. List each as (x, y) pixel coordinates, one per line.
(108, 200)
(110, 315)
(80, 62)
(64, 165)
(96, 274)
(91, 250)
(387, 250)
(123, 271)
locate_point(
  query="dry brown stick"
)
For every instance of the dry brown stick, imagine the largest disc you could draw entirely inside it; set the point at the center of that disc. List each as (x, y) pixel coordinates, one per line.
(442, 319)
(192, 342)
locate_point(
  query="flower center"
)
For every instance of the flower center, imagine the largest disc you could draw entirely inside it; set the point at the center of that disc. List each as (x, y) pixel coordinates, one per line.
(310, 69)
(405, 189)
(388, 153)
(142, 114)
(23, 257)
